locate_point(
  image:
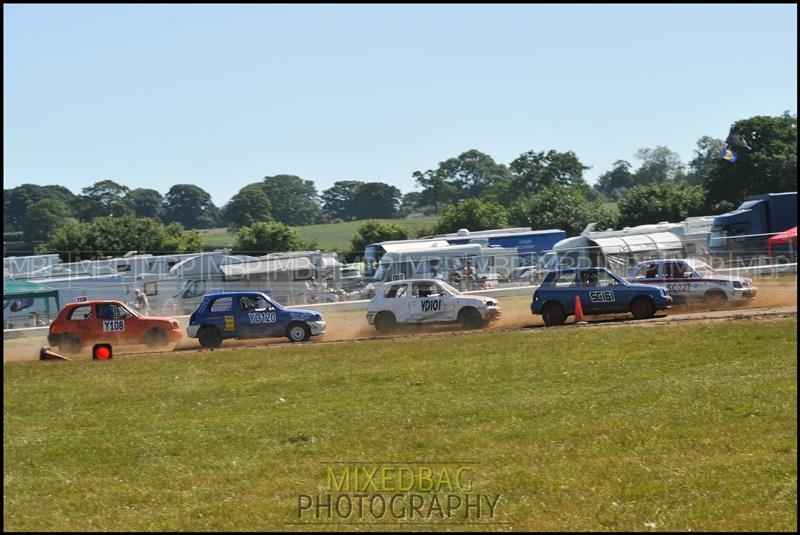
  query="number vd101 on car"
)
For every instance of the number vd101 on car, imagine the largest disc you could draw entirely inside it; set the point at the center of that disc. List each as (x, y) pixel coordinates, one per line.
(226, 315)
(428, 301)
(600, 292)
(90, 322)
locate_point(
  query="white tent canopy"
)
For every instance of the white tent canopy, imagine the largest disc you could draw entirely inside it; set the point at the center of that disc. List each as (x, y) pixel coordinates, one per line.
(657, 241)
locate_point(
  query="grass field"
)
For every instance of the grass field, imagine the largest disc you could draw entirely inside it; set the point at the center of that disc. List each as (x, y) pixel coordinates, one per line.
(332, 236)
(670, 427)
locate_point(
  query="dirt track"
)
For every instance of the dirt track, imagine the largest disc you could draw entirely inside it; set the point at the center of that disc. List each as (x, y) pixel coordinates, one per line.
(773, 301)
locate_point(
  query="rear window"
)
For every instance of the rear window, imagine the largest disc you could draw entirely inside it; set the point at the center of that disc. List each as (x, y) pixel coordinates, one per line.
(396, 290)
(80, 313)
(562, 279)
(223, 304)
(647, 271)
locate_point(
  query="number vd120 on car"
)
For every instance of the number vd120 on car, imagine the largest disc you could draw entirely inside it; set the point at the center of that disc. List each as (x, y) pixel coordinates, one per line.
(428, 301)
(224, 315)
(600, 292)
(91, 322)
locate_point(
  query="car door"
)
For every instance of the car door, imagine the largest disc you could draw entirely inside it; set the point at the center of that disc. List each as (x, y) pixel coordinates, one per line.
(109, 323)
(257, 317)
(603, 293)
(134, 328)
(426, 303)
(587, 293)
(676, 276)
(274, 318)
(448, 307)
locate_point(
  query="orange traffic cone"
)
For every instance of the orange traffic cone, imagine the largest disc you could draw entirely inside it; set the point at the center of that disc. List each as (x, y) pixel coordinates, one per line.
(579, 312)
(101, 352)
(46, 354)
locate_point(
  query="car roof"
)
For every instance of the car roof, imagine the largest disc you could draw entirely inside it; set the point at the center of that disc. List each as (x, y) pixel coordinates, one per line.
(663, 260)
(575, 270)
(406, 281)
(234, 294)
(95, 302)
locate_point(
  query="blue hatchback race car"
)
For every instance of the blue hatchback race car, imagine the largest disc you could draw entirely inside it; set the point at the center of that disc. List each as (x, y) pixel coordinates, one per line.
(600, 291)
(226, 315)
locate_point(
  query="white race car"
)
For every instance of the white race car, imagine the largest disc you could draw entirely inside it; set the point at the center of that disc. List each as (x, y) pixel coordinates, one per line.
(428, 301)
(693, 280)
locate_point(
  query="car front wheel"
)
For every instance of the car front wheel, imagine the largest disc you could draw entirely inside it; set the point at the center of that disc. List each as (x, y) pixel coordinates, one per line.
(298, 332)
(642, 308)
(716, 299)
(155, 338)
(470, 318)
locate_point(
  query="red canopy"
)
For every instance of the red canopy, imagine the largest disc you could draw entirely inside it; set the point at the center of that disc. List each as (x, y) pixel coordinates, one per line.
(787, 236)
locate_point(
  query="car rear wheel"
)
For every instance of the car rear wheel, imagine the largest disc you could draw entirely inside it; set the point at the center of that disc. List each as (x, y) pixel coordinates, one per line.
(298, 332)
(70, 343)
(385, 322)
(553, 314)
(155, 338)
(209, 337)
(716, 299)
(642, 308)
(470, 318)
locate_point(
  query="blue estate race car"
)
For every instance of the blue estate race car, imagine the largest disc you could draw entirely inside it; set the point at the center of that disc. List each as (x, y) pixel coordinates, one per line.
(250, 315)
(600, 291)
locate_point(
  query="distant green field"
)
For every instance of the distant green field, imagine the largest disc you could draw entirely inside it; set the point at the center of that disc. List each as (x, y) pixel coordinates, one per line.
(331, 236)
(670, 427)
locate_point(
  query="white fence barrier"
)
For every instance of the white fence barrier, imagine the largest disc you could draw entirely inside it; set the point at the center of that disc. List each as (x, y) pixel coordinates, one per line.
(31, 332)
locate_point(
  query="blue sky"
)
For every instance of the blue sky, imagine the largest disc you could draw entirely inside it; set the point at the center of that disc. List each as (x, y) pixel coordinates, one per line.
(221, 96)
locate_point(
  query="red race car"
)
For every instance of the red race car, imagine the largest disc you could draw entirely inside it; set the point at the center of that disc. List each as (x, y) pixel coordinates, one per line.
(91, 322)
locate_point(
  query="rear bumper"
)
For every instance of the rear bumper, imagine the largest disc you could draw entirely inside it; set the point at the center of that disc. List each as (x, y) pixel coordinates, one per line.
(191, 331)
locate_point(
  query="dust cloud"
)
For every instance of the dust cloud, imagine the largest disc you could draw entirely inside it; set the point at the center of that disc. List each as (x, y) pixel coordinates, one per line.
(352, 325)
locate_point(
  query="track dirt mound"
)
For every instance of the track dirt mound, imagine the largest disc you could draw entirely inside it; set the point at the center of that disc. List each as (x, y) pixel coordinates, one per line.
(352, 325)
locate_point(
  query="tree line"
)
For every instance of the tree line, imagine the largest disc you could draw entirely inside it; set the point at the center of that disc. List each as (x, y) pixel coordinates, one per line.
(541, 189)
(547, 189)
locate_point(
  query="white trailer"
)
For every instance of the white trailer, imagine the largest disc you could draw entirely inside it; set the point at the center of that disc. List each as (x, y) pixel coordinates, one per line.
(492, 263)
(293, 278)
(620, 250)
